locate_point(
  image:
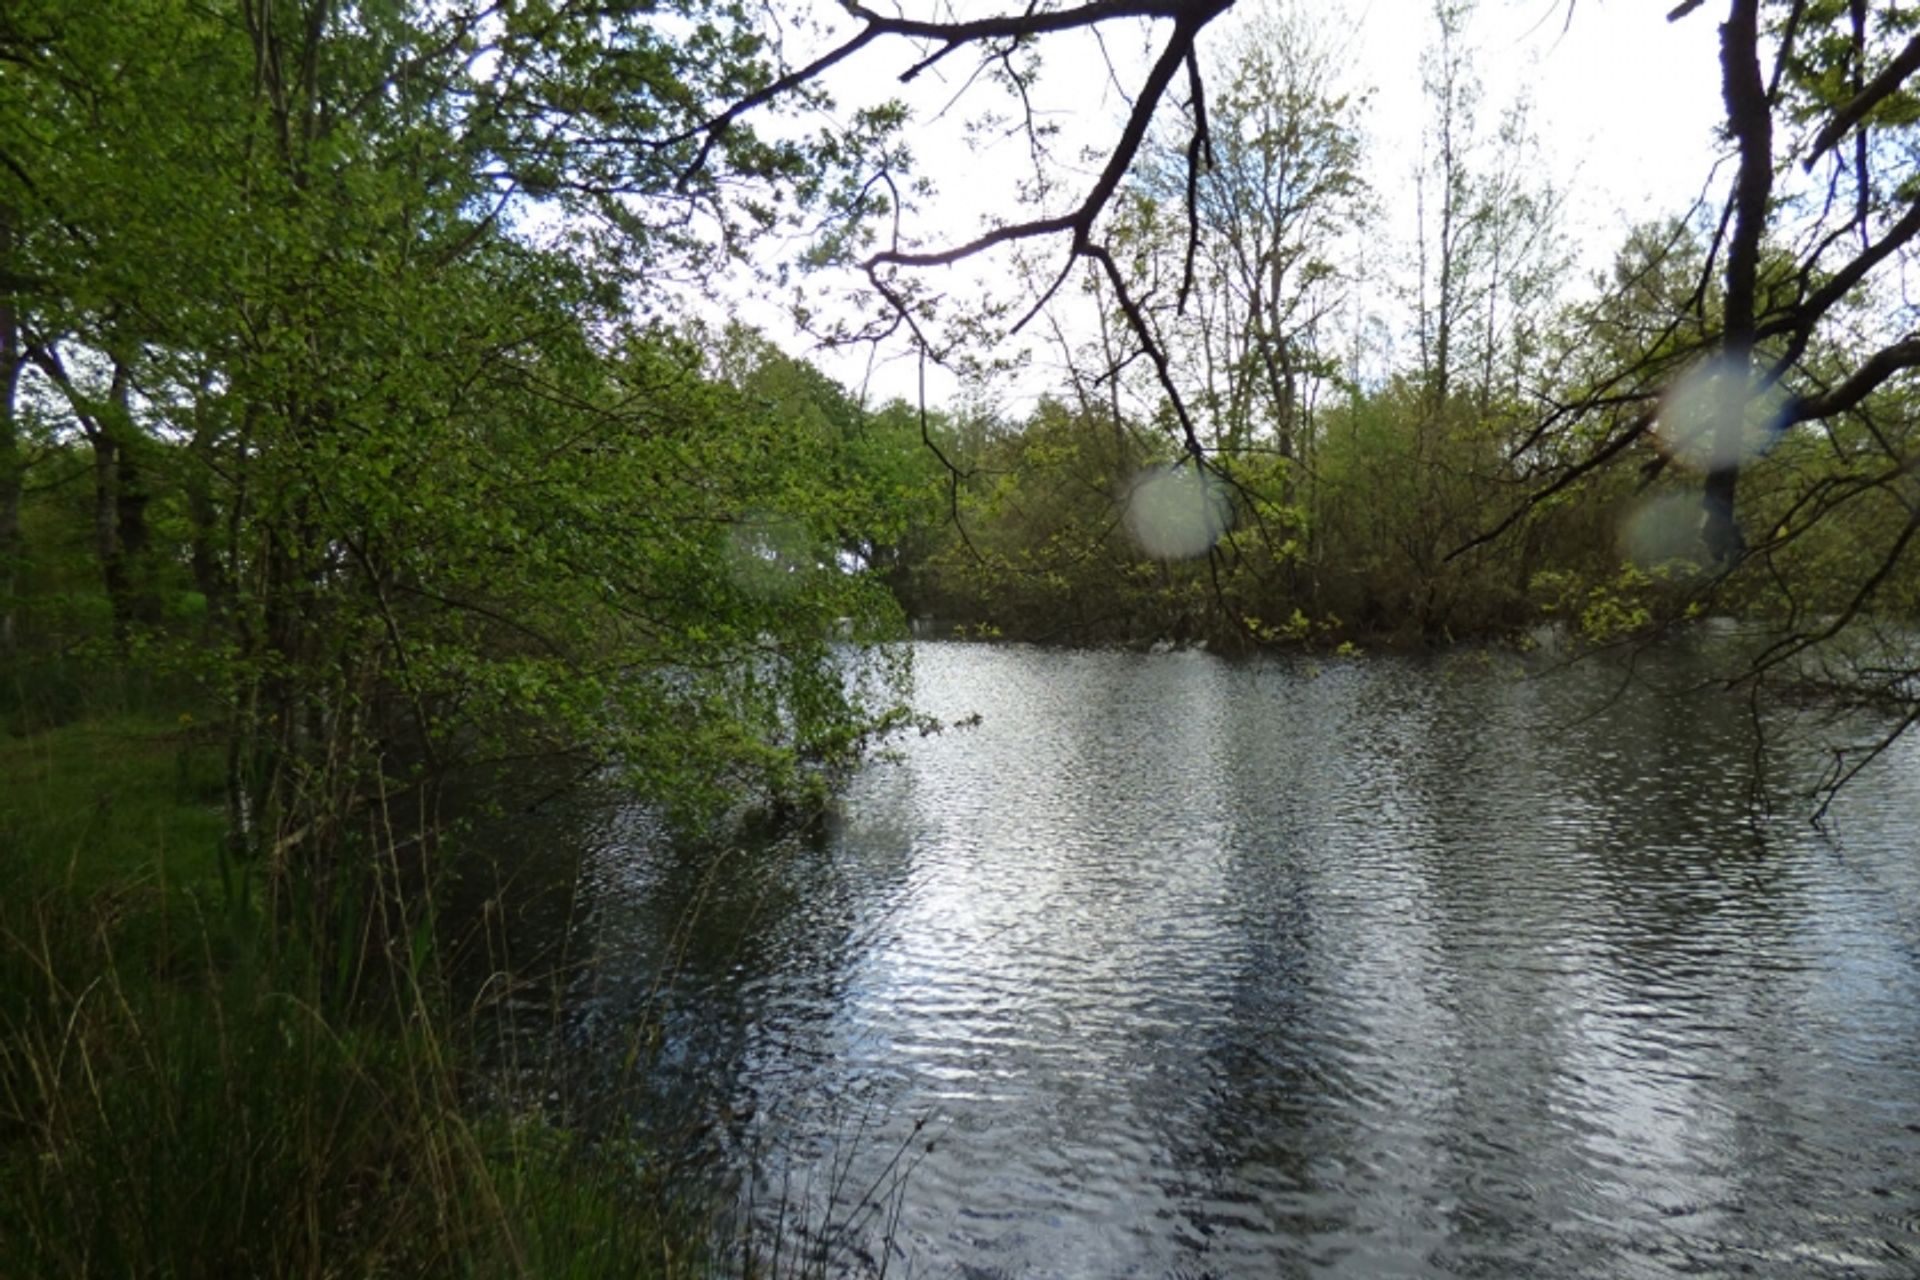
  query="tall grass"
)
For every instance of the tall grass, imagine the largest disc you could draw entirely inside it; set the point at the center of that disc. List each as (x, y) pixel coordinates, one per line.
(177, 1099)
(192, 1085)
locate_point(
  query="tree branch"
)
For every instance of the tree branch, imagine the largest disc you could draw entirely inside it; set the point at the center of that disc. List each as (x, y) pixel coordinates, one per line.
(1880, 366)
(1877, 90)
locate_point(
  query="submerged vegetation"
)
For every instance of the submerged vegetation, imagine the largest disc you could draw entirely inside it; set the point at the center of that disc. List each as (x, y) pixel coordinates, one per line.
(359, 448)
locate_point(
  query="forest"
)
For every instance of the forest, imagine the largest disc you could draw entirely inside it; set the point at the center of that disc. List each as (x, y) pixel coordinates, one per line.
(373, 436)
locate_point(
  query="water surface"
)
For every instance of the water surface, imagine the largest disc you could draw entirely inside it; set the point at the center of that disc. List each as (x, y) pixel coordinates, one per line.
(1175, 966)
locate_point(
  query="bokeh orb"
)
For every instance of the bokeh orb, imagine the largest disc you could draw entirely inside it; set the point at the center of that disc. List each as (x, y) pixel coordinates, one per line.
(1689, 426)
(1177, 512)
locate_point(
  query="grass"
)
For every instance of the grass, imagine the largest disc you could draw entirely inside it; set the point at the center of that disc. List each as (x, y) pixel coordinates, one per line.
(174, 1102)
(106, 803)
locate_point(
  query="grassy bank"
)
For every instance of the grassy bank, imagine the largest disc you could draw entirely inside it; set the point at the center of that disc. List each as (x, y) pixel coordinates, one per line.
(174, 1100)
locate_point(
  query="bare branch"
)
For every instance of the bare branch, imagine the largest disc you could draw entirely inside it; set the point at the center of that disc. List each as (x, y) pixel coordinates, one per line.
(1560, 483)
(1801, 320)
(1880, 366)
(1787, 647)
(1137, 321)
(716, 126)
(1199, 157)
(1193, 14)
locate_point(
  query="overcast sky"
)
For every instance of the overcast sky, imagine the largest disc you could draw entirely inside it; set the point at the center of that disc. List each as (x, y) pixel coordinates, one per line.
(1625, 102)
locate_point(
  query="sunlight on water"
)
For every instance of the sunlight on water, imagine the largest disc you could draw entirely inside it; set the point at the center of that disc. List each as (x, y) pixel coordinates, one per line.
(1179, 966)
(1176, 513)
(1664, 529)
(1688, 428)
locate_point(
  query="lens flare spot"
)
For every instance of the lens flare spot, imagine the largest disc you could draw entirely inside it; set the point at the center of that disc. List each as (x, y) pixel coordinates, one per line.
(1177, 512)
(1665, 529)
(1696, 408)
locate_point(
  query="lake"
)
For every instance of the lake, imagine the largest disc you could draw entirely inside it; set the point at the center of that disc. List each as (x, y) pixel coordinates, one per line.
(1180, 966)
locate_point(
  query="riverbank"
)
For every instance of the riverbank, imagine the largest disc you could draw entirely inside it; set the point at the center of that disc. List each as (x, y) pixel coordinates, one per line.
(178, 1098)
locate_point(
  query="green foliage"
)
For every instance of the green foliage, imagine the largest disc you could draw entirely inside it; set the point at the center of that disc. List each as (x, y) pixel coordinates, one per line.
(342, 454)
(1039, 546)
(398, 486)
(173, 1102)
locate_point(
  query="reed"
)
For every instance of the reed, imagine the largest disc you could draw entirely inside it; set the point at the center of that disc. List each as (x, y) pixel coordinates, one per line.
(178, 1099)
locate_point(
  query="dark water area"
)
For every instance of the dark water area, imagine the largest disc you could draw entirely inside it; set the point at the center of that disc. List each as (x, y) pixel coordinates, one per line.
(1176, 966)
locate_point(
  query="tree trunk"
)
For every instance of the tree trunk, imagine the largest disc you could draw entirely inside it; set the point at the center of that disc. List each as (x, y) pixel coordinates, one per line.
(119, 494)
(1751, 124)
(106, 528)
(120, 507)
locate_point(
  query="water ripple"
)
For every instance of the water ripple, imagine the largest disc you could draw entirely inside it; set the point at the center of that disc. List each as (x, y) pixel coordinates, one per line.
(1176, 966)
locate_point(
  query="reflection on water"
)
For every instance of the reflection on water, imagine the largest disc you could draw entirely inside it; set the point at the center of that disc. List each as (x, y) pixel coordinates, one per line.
(1176, 966)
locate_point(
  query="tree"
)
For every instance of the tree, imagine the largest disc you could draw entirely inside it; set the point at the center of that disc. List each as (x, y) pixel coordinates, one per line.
(448, 505)
(1487, 257)
(893, 269)
(1812, 350)
(1442, 187)
(1278, 207)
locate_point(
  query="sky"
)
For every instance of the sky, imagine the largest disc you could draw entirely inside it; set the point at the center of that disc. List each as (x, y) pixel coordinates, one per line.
(1625, 103)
